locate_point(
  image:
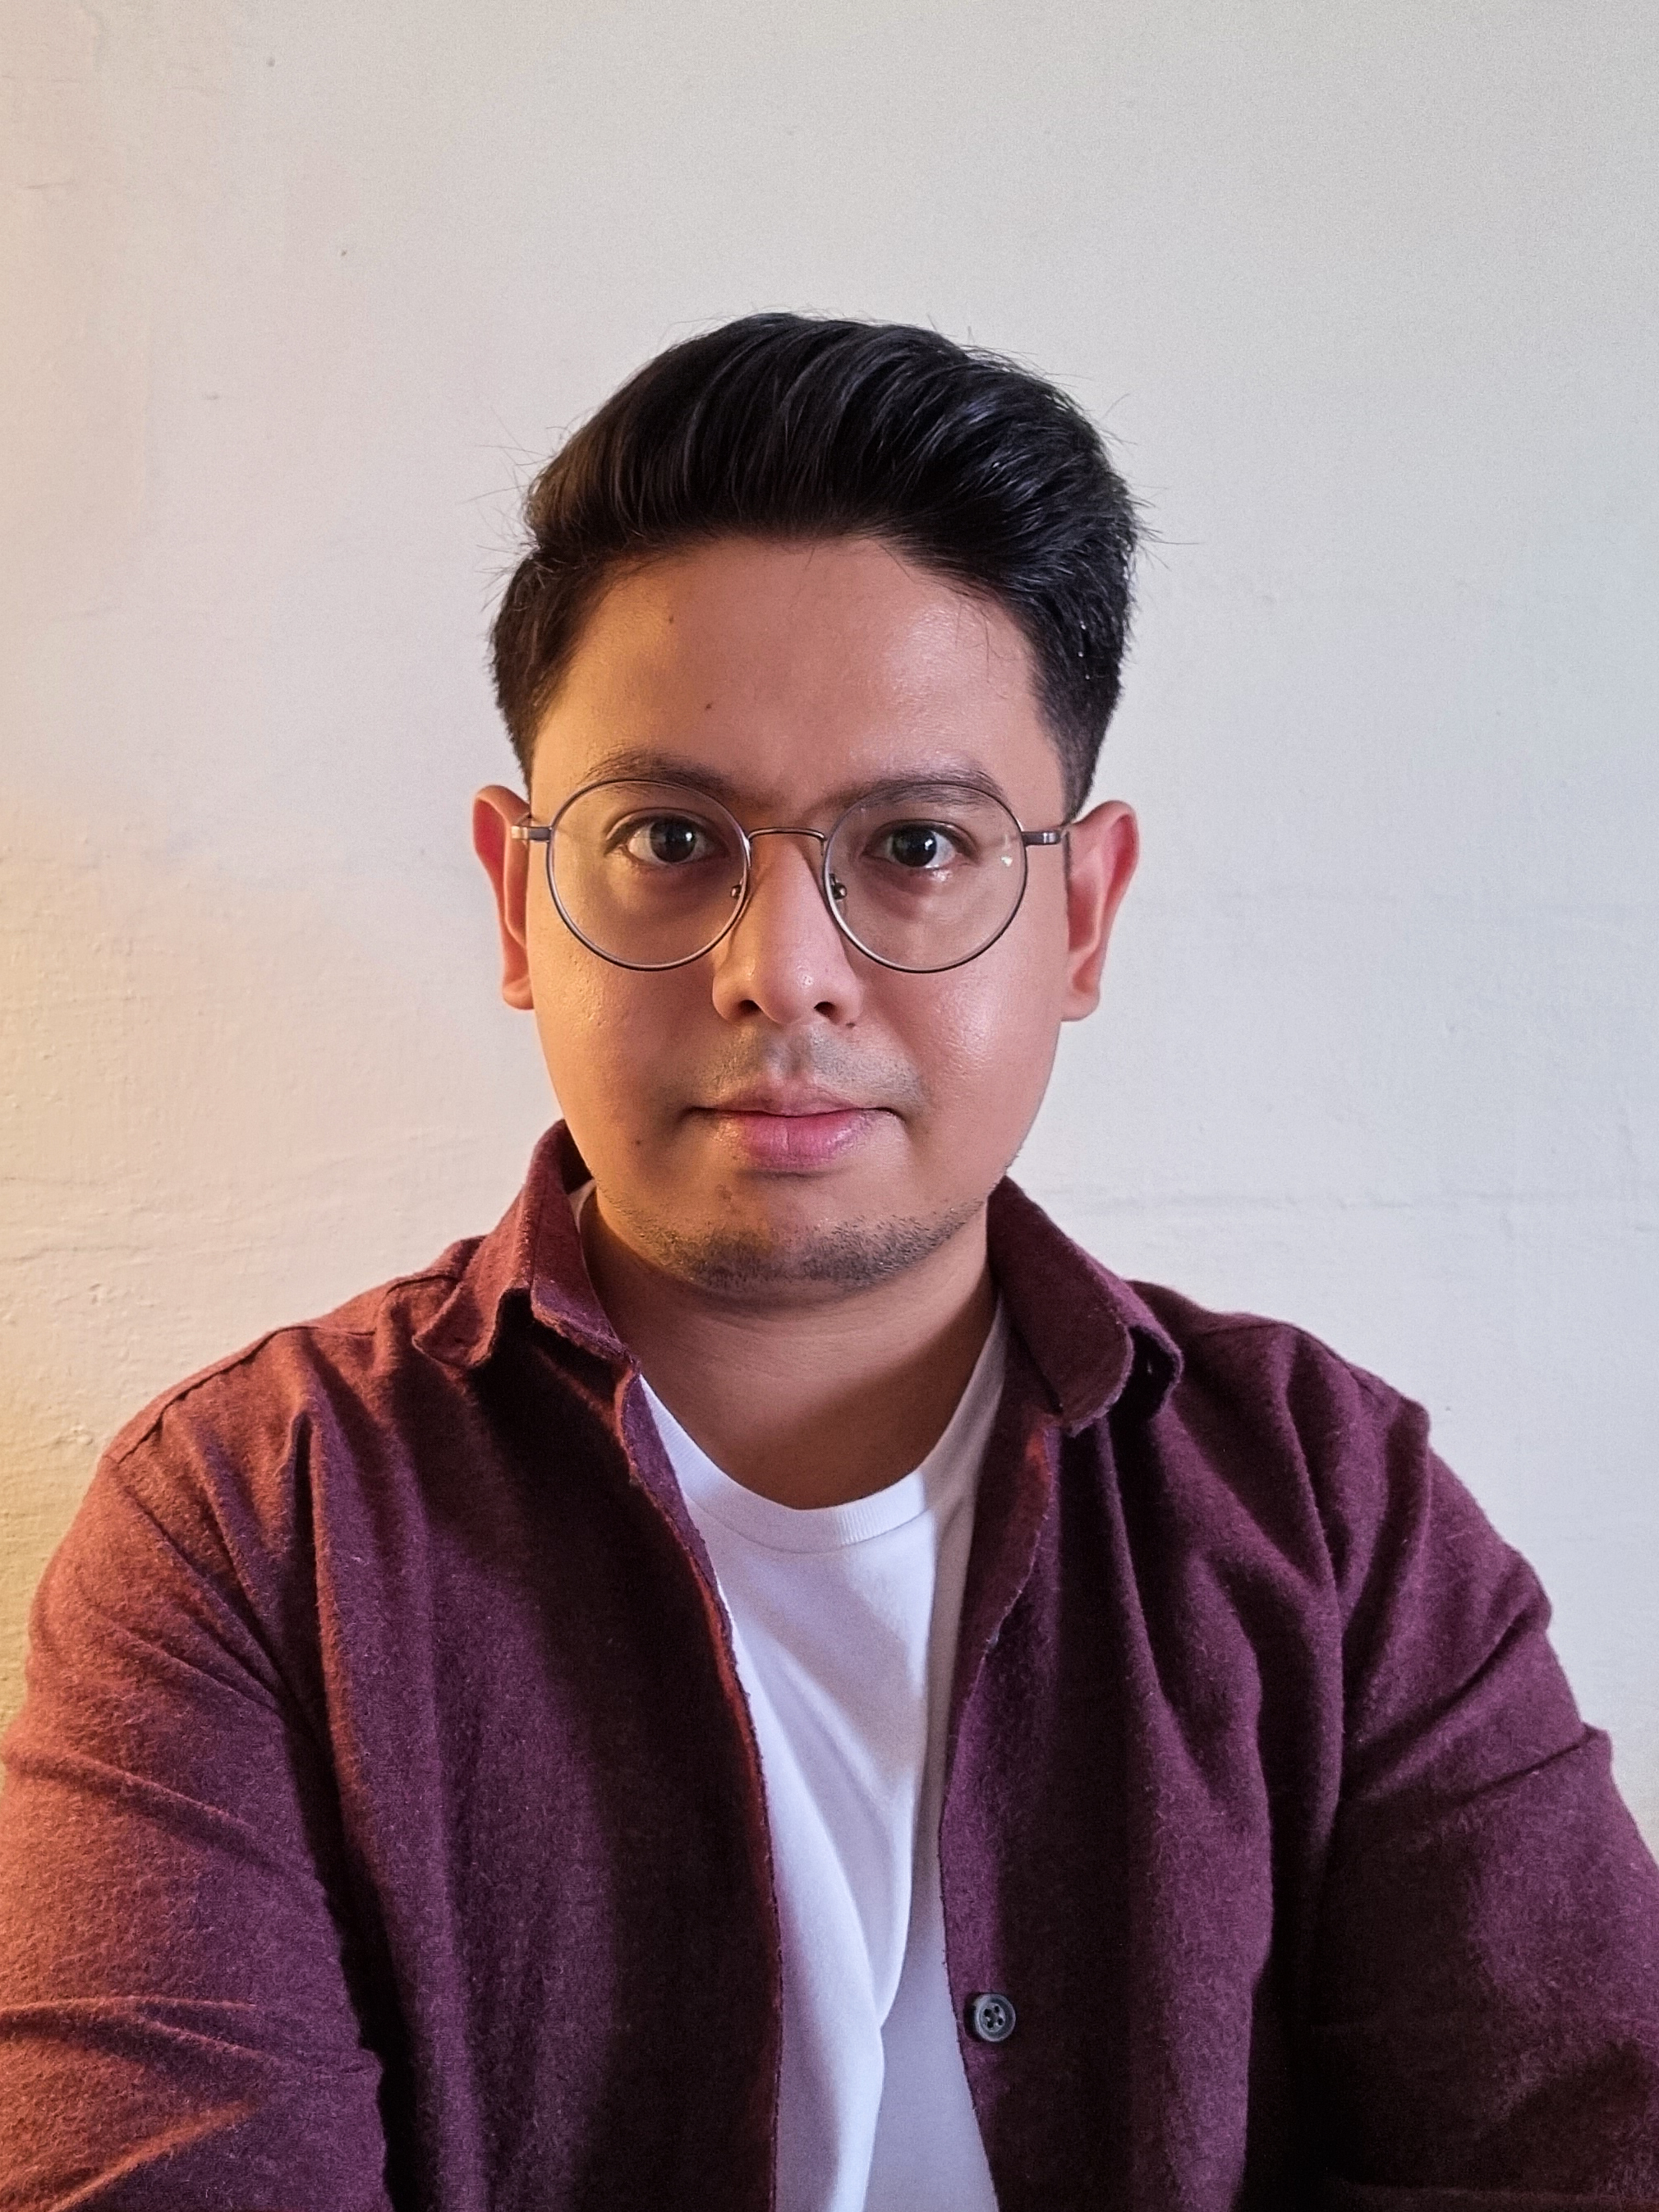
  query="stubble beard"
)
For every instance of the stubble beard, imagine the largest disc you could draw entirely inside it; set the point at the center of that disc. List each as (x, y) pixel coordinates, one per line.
(746, 1263)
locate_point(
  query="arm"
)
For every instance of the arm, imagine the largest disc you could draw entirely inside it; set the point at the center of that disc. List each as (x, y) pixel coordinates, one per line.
(1486, 1999)
(175, 2025)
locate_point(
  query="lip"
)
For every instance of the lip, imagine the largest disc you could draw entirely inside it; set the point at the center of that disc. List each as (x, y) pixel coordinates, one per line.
(789, 1129)
(787, 1099)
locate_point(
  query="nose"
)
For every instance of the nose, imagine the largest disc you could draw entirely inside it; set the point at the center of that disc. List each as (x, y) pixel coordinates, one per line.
(786, 960)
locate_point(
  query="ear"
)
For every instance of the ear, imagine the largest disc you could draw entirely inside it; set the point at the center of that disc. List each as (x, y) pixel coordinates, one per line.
(506, 864)
(1101, 851)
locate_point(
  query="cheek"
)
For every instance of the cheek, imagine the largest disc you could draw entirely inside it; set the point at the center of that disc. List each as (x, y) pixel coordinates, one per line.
(984, 1034)
(1011, 997)
(596, 1027)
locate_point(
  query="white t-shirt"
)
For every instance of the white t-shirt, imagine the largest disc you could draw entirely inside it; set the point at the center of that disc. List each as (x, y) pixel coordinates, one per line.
(844, 1622)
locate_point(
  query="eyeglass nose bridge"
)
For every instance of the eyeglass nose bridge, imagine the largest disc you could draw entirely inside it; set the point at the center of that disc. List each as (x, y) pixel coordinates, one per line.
(830, 889)
(823, 835)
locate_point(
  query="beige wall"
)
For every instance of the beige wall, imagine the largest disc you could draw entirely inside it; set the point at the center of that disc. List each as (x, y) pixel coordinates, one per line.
(294, 295)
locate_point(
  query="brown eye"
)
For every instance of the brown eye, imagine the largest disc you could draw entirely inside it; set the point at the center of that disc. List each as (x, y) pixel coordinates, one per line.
(673, 839)
(915, 845)
(919, 847)
(669, 840)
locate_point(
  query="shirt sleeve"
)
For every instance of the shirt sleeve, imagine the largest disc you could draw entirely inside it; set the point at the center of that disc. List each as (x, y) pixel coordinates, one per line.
(1485, 1987)
(176, 2029)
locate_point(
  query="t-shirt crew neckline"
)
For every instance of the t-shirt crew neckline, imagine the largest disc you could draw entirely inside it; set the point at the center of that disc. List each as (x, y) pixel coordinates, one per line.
(707, 1488)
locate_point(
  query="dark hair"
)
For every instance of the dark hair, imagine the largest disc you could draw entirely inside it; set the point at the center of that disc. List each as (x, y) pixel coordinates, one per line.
(791, 426)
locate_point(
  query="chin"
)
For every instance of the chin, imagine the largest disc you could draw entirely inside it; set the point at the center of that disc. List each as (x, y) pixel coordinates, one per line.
(739, 1260)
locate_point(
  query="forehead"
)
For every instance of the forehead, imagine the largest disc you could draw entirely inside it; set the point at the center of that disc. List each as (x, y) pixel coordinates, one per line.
(790, 671)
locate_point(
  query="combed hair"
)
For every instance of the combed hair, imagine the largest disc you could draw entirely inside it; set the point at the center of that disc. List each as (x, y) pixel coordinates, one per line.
(795, 427)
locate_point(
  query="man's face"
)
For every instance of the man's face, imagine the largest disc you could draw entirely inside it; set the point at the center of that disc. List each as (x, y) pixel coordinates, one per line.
(783, 1117)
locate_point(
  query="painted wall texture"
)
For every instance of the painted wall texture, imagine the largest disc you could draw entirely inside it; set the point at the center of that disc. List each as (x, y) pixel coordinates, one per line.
(296, 297)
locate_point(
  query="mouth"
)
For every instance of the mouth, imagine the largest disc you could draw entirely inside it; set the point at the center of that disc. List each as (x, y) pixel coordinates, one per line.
(789, 1127)
(783, 1098)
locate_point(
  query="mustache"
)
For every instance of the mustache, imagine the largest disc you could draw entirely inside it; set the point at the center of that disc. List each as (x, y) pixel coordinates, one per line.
(862, 1076)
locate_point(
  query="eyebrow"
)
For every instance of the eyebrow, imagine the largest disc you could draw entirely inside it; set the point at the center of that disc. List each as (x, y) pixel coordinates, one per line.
(655, 766)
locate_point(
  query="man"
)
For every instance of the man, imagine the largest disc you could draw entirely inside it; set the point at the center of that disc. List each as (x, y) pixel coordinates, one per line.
(772, 1677)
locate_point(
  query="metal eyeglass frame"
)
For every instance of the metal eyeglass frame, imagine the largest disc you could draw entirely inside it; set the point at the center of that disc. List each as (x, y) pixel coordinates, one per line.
(528, 831)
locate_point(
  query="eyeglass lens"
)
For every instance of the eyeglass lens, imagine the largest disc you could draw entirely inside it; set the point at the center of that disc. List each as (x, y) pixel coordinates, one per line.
(652, 874)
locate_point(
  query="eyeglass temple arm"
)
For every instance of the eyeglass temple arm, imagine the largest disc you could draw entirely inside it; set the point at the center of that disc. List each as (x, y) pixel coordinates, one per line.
(1045, 836)
(527, 832)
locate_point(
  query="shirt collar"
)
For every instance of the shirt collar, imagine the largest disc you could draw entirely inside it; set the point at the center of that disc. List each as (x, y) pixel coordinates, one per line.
(1093, 1340)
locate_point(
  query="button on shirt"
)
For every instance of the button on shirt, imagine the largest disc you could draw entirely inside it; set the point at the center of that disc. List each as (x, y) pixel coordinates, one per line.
(843, 1622)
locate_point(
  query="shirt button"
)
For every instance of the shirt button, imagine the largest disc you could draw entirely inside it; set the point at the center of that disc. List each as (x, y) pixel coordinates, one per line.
(990, 2017)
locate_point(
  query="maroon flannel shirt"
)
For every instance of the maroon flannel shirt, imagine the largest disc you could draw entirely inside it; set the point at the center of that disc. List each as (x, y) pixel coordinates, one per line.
(384, 1826)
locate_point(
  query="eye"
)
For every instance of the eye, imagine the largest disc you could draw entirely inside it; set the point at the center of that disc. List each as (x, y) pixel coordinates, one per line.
(917, 844)
(667, 841)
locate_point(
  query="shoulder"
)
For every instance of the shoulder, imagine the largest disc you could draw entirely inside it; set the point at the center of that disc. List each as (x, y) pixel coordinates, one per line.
(363, 1351)
(1271, 1374)
(1273, 1430)
(226, 1494)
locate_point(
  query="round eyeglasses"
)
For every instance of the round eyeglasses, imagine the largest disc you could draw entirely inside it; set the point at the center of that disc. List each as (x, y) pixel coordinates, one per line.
(920, 877)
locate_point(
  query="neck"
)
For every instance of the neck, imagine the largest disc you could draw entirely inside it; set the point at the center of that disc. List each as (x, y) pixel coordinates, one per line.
(814, 1403)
